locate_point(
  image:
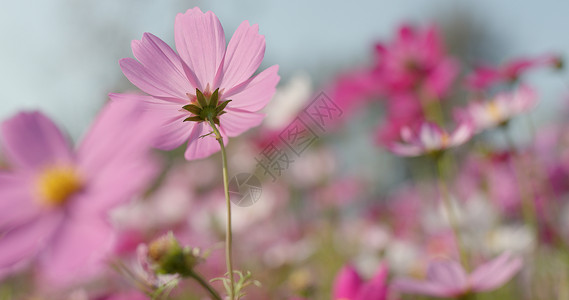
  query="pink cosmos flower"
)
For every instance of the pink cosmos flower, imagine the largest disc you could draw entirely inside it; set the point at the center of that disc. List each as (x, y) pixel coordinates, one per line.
(54, 200)
(447, 278)
(416, 58)
(430, 138)
(403, 110)
(348, 285)
(501, 108)
(203, 81)
(485, 76)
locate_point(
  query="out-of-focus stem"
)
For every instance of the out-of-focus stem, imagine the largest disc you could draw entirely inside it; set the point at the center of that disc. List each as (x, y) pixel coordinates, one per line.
(205, 285)
(453, 220)
(228, 233)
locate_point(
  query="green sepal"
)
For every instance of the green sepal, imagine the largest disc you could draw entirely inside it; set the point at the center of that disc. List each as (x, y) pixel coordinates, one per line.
(201, 98)
(222, 106)
(192, 108)
(216, 121)
(214, 99)
(194, 119)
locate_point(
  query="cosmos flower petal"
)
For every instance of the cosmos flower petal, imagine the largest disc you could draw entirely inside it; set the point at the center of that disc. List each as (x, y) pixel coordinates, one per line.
(103, 162)
(447, 273)
(347, 283)
(168, 117)
(31, 140)
(17, 206)
(200, 42)
(405, 149)
(256, 92)
(237, 121)
(148, 80)
(71, 251)
(25, 241)
(420, 287)
(202, 142)
(376, 288)
(245, 52)
(461, 134)
(98, 149)
(495, 273)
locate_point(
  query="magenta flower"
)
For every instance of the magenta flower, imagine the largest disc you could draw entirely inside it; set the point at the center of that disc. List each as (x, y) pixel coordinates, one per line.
(53, 200)
(430, 139)
(500, 109)
(416, 59)
(485, 76)
(447, 278)
(203, 81)
(348, 285)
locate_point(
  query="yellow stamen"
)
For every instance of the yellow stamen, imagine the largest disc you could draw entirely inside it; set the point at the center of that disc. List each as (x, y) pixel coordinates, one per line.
(56, 184)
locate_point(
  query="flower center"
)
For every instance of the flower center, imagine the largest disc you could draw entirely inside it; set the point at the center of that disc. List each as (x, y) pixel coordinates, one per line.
(205, 107)
(56, 185)
(445, 140)
(494, 111)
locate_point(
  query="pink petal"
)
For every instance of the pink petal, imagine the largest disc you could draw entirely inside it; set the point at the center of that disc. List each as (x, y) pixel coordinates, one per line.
(237, 121)
(347, 283)
(148, 81)
(78, 250)
(200, 42)
(430, 135)
(411, 286)
(100, 147)
(201, 146)
(166, 116)
(462, 134)
(32, 140)
(163, 67)
(24, 242)
(376, 288)
(17, 205)
(405, 149)
(107, 155)
(495, 273)
(245, 52)
(447, 273)
(256, 92)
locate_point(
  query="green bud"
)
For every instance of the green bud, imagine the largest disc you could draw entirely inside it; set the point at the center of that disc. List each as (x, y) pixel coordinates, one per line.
(169, 257)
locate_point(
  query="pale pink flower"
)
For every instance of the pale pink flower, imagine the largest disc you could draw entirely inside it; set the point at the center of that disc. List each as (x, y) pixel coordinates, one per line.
(54, 200)
(203, 65)
(430, 139)
(447, 278)
(348, 285)
(484, 77)
(500, 109)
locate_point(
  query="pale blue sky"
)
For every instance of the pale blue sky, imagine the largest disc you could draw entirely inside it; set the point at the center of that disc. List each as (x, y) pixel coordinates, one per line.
(61, 56)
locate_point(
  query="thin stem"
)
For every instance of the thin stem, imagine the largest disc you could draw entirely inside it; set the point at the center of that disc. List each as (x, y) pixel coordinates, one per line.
(228, 233)
(453, 220)
(204, 284)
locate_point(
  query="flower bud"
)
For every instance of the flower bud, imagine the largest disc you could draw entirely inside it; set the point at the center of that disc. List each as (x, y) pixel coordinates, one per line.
(168, 257)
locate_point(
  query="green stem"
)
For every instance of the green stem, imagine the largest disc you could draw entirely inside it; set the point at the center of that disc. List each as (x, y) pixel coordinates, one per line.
(453, 220)
(204, 284)
(228, 234)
